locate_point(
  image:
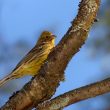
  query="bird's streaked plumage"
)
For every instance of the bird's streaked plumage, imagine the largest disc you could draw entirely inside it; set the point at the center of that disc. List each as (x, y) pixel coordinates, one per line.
(33, 61)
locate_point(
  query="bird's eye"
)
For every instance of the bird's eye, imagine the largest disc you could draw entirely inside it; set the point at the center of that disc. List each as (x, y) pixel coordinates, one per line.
(47, 37)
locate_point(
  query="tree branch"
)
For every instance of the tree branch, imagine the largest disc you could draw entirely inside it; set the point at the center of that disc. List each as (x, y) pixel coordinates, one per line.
(76, 95)
(44, 85)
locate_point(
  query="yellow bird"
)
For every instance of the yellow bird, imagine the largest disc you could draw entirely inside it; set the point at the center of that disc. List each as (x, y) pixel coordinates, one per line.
(33, 61)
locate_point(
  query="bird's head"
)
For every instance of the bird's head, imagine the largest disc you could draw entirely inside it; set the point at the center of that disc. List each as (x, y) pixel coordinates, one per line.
(46, 37)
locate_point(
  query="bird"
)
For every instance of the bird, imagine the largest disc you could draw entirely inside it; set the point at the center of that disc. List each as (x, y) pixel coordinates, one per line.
(35, 58)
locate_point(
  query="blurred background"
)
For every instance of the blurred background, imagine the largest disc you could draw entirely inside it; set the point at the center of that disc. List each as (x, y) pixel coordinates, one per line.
(22, 21)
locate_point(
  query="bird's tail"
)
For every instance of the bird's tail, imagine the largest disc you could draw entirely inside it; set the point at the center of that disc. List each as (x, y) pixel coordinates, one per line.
(6, 79)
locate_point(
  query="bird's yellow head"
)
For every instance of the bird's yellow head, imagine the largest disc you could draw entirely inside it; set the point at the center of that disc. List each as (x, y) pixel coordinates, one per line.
(46, 37)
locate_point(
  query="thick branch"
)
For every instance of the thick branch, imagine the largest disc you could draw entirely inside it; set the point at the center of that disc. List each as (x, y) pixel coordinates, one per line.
(76, 95)
(44, 85)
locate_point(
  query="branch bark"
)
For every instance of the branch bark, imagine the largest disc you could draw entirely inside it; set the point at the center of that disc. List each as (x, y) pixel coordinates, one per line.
(44, 85)
(76, 95)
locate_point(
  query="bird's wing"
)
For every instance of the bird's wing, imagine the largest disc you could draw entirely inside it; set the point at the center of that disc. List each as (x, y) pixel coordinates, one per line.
(33, 53)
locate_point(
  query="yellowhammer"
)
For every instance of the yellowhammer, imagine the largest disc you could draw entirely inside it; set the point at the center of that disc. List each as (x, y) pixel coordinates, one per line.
(33, 61)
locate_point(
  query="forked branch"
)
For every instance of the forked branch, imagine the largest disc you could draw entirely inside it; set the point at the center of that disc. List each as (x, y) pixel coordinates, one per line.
(43, 86)
(76, 95)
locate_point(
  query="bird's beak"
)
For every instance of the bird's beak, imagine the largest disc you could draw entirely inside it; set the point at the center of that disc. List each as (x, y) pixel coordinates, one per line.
(53, 36)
